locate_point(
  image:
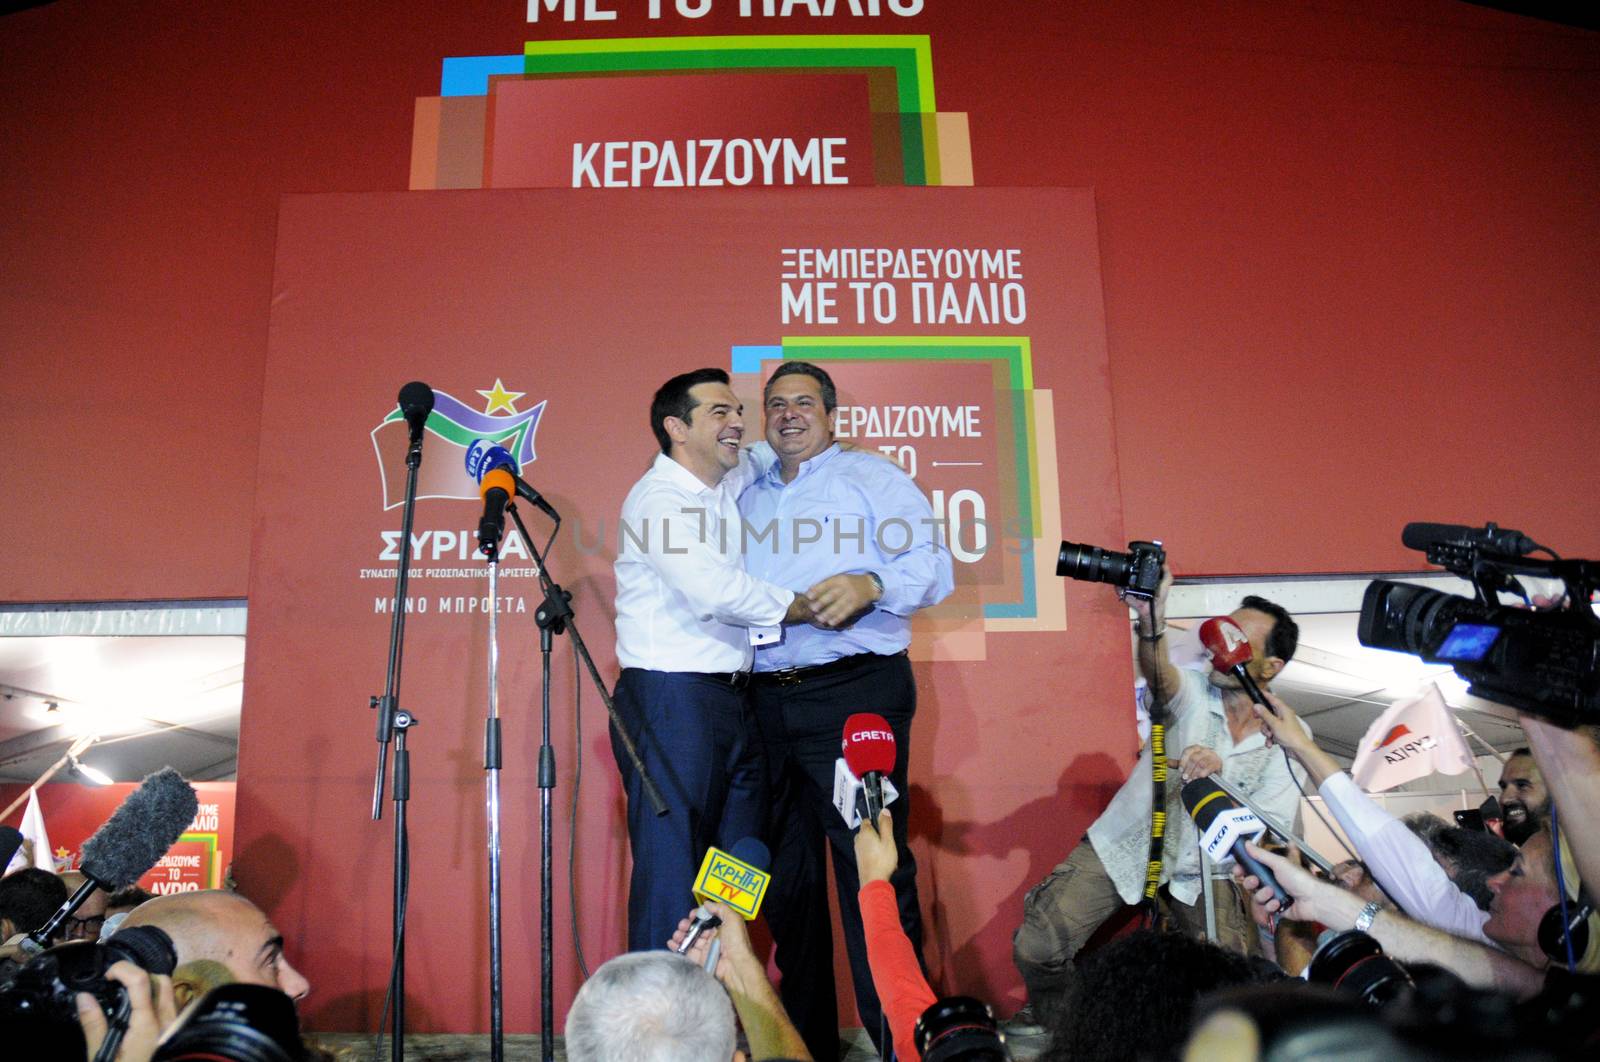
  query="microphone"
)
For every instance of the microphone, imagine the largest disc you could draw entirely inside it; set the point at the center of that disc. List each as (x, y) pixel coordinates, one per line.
(1225, 826)
(869, 754)
(1229, 649)
(1425, 536)
(484, 456)
(131, 841)
(738, 878)
(416, 402)
(496, 485)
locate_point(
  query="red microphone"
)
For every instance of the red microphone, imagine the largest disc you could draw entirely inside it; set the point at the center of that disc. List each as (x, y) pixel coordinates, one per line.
(1229, 649)
(869, 753)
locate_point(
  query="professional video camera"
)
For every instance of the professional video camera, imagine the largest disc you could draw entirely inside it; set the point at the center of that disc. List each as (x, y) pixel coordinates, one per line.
(1137, 571)
(1545, 662)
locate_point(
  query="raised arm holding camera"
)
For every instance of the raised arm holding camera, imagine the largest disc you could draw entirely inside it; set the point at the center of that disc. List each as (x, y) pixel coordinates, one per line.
(1209, 720)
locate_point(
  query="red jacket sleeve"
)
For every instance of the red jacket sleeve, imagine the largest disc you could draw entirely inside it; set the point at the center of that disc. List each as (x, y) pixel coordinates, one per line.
(902, 990)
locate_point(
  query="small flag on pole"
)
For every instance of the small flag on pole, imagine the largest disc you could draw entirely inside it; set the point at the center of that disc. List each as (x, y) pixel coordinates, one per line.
(1412, 739)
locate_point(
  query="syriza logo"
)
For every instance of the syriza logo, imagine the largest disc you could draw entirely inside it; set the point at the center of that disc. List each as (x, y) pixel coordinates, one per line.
(451, 429)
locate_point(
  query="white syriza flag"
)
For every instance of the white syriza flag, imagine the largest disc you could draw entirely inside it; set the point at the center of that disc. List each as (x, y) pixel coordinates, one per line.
(1413, 738)
(33, 830)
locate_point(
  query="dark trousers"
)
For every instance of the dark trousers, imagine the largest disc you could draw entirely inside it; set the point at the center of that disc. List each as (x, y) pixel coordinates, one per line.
(801, 727)
(693, 735)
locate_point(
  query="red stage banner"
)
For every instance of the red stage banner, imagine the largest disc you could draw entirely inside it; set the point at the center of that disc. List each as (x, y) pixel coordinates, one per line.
(545, 319)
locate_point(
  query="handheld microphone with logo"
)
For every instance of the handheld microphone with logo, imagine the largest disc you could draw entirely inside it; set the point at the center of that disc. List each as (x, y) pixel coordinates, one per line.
(416, 402)
(484, 456)
(1225, 825)
(738, 878)
(131, 841)
(496, 485)
(869, 755)
(1229, 649)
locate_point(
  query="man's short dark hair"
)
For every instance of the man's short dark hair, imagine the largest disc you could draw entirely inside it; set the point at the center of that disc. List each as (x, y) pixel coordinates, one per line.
(29, 897)
(673, 400)
(1285, 636)
(130, 896)
(830, 394)
(1134, 997)
(1472, 857)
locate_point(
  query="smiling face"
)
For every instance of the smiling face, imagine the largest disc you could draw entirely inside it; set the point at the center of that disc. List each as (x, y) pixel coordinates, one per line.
(1522, 895)
(1524, 800)
(706, 441)
(798, 425)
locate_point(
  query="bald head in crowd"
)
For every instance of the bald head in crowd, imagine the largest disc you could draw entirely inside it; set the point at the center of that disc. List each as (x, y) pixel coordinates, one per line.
(216, 931)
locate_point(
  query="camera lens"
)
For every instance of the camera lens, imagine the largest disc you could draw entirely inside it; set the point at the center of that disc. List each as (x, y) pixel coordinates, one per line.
(1408, 619)
(959, 1029)
(245, 1023)
(1354, 962)
(1091, 564)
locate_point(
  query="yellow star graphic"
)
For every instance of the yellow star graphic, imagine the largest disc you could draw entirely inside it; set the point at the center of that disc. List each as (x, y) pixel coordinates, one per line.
(500, 398)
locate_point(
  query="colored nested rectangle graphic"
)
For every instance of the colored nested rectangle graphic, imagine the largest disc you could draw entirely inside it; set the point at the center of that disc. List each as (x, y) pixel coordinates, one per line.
(505, 137)
(679, 131)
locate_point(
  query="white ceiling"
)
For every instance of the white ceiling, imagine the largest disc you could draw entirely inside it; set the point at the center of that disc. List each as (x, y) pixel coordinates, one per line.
(154, 701)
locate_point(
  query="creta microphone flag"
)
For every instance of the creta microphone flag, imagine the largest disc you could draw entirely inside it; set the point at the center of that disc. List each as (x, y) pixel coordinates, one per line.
(1225, 825)
(860, 788)
(1229, 649)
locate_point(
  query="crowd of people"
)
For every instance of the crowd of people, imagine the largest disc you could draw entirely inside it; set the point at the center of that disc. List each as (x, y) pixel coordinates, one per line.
(742, 661)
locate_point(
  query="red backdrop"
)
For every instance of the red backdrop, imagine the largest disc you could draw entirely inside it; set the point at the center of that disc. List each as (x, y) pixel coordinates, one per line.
(72, 813)
(1348, 263)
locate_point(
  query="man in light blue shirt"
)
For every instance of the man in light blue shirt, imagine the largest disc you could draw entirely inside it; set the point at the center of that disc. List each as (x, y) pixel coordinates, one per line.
(855, 535)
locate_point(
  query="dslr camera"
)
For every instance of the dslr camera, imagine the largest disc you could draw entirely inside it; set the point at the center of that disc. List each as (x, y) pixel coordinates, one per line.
(39, 1007)
(1546, 663)
(1137, 571)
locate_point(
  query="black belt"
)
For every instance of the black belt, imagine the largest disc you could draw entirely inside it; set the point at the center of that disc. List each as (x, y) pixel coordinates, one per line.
(794, 676)
(737, 679)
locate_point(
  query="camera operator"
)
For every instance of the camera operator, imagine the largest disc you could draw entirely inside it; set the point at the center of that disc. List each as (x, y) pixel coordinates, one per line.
(1211, 721)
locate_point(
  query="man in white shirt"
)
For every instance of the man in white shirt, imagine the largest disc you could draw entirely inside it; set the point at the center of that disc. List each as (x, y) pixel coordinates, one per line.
(1211, 721)
(688, 617)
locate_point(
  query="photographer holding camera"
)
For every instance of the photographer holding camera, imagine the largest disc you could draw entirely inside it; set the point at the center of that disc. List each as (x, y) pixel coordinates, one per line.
(1208, 716)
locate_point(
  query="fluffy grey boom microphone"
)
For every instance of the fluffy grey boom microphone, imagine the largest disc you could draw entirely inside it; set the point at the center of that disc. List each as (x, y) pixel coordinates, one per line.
(130, 842)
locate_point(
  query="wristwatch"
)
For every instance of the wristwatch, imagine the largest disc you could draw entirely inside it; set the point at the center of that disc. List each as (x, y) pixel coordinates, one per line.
(878, 582)
(1368, 913)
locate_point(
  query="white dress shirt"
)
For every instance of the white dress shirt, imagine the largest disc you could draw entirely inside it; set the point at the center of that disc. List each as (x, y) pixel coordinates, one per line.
(1121, 835)
(1401, 862)
(684, 601)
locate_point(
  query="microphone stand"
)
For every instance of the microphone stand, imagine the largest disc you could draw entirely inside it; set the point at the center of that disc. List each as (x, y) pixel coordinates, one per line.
(394, 722)
(491, 767)
(554, 616)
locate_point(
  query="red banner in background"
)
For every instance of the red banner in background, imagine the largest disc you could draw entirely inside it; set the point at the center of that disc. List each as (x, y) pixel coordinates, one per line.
(199, 860)
(927, 305)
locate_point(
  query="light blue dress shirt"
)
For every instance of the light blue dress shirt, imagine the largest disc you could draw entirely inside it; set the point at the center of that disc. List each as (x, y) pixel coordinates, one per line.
(845, 511)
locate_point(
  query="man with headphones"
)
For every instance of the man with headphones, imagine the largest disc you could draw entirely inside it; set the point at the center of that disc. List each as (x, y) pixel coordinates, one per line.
(1526, 896)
